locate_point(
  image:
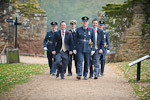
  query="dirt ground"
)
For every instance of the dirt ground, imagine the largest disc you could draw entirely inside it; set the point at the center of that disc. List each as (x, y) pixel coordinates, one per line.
(112, 86)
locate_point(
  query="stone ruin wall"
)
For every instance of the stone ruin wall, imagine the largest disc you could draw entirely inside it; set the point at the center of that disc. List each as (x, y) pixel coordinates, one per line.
(30, 34)
(133, 44)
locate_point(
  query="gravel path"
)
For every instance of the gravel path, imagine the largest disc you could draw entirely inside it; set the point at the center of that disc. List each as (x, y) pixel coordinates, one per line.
(27, 59)
(33, 60)
(112, 86)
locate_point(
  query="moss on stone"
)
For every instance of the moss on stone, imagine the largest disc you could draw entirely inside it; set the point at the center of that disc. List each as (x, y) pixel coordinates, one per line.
(145, 29)
(32, 7)
(119, 18)
(122, 14)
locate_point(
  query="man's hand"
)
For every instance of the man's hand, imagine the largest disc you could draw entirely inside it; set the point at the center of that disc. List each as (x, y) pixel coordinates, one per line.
(70, 52)
(45, 48)
(75, 51)
(53, 52)
(92, 52)
(100, 51)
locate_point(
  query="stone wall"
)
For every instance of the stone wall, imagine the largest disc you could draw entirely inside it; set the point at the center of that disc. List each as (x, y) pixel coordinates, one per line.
(128, 25)
(6, 30)
(133, 44)
(32, 31)
(31, 34)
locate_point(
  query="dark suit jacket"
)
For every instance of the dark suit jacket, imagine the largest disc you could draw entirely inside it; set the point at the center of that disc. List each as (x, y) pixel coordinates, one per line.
(100, 38)
(81, 34)
(48, 40)
(106, 40)
(74, 38)
(58, 41)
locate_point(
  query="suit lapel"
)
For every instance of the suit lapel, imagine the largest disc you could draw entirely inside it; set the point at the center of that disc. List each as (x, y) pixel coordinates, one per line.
(97, 35)
(60, 36)
(65, 37)
(72, 32)
(51, 34)
(83, 30)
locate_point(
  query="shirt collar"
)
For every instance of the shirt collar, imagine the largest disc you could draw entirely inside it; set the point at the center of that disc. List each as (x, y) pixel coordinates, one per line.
(54, 31)
(73, 30)
(62, 31)
(85, 27)
(95, 28)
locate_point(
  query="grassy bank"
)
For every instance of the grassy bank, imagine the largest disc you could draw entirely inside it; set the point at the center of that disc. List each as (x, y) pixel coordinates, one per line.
(142, 87)
(12, 74)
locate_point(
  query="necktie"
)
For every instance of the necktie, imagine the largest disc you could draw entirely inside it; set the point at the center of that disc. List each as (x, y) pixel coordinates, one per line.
(94, 30)
(63, 33)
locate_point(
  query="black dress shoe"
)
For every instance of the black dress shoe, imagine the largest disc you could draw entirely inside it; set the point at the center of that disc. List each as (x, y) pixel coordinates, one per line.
(90, 77)
(62, 78)
(78, 77)
(102, 74)
(95, 77)
(57, 75)
(69, 74)
(85, 78)
(53, 74)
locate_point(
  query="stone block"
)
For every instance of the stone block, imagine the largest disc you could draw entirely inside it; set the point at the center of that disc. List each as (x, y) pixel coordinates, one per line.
(12, 56)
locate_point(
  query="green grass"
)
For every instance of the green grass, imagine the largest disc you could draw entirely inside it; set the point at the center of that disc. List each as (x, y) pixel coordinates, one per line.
(142, 87)
(17, 73)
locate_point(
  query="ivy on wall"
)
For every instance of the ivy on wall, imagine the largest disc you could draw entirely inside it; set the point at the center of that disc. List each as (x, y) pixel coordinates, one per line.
(30, 7)
(119, 17)
(145, 29)
(146, 25)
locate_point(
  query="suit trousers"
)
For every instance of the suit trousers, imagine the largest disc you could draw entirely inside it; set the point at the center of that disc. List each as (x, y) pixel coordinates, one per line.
(80, 57)
(94, 61)
(70, 63)
(61, 61)
(51, 63)
(102, 61)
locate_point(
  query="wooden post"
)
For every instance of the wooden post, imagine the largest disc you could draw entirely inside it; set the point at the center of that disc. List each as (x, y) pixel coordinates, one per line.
(138, 70)
(16, 24)
(16, 33)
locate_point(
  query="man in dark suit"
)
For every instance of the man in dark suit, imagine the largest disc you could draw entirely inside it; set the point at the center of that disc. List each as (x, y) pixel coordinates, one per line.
(48, 41)
(99, 43)
(85, 39)
(63, 48)
(73, 31)
(105, 47)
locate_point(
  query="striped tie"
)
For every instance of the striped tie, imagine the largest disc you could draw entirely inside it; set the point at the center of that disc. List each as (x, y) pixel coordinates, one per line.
(63, 33)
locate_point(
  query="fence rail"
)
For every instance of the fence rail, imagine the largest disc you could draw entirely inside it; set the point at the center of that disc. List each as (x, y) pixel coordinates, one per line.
(3, 55)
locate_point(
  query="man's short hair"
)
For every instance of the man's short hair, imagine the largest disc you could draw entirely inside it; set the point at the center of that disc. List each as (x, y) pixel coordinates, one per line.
(62, 22)
(95, 19)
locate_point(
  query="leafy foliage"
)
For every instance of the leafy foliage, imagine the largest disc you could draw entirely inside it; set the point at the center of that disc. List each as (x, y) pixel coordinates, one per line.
(145, 29)
(118, 18)
(29, 8)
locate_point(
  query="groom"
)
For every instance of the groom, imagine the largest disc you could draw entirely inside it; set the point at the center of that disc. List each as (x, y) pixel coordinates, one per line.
(62, 48)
